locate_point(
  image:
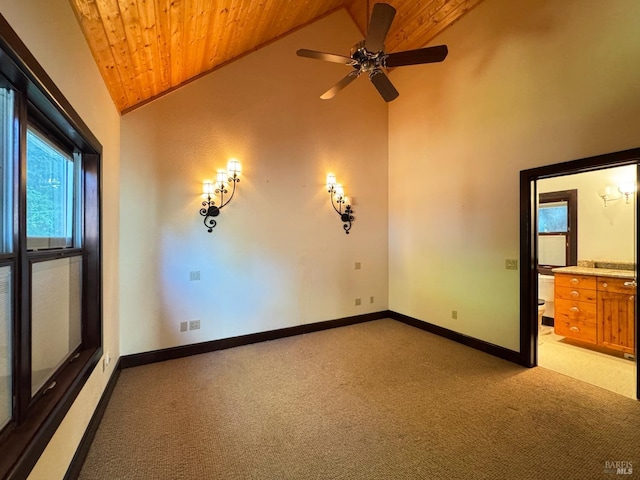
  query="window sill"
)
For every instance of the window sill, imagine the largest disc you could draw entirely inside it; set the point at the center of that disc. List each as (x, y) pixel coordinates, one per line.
(22, 446)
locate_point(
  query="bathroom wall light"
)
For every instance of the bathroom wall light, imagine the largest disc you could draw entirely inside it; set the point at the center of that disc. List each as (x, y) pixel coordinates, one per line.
(608, 193)
(627, 189)
(338, 201)
(217, 191)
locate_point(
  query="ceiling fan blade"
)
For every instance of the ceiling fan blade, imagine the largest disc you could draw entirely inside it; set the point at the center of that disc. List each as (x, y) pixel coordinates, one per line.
(329, 57)
(381, 18)
(340, 85)
(383, 85)
(416, 57)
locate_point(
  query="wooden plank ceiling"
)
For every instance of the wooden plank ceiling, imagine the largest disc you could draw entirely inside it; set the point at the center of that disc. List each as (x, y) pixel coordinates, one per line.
(145, 48)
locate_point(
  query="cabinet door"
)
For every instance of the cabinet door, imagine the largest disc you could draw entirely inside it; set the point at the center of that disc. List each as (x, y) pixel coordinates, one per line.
(616, 313)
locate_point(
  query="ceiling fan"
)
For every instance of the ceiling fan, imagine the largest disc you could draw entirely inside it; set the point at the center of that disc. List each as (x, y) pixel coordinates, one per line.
(368, 56)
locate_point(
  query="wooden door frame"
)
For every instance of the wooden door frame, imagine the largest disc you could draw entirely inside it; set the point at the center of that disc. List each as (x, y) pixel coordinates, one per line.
(529, 241)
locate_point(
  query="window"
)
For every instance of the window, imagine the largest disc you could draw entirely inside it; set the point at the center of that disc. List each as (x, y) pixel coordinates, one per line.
(7, 104)
(557, 230)
(50, 257)
(7, 107)
(56, 327)
(50, 193)
(553, 217)
(6, 378)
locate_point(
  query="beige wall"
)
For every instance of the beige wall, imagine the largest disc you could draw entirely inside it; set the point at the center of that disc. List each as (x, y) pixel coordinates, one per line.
(604, 233)
(279, 256)
(51, 32)
(526, 83)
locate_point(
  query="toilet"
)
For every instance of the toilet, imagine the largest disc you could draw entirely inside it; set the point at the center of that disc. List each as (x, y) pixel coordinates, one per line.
(546, 289)
(541, 304)
(542, 308)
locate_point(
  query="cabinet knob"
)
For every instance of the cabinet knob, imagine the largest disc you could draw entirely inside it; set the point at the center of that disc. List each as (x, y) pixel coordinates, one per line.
(575, 293)
(574, 309)
(605, 284)
(574, 329)
(630, 284)
(574, 281)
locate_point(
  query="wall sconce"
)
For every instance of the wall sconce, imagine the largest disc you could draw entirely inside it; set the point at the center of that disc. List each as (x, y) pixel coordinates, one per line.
(626, 189)
(218, 190)
(338, 198)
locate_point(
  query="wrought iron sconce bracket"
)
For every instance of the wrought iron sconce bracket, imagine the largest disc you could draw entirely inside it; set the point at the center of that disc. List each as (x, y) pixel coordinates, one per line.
(339, 203)
(217, 192)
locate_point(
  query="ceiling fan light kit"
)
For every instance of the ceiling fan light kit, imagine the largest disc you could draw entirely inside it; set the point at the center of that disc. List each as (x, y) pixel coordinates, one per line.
(368, 56)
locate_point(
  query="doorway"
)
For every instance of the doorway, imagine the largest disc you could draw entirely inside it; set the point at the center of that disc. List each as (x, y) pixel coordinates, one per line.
(606, 241)
(531, 185)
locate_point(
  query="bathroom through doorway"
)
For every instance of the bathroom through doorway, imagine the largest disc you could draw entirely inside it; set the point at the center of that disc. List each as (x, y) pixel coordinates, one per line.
(586, 243)
(579, 235)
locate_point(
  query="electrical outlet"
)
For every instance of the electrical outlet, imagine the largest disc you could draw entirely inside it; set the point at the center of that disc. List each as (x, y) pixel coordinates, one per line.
(454, 314)
(194, 324)
(358, 301)
(511, 264)
(358, 265)
(194, 275)
(184, 326)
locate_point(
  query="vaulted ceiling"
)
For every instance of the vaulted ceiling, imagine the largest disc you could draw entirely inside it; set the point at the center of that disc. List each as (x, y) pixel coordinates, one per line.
(145, 48)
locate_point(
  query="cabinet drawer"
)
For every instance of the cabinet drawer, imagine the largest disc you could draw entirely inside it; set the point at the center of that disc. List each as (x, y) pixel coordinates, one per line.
(575, 319)
(572, 309)
(617, 285)
(579, 330)
(576, 294)
(575, 281)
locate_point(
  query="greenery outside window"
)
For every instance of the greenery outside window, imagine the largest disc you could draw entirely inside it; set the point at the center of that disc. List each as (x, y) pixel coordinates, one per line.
(51, 190)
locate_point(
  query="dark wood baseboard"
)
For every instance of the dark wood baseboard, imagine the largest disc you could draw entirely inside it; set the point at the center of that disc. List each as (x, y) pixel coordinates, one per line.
(197, 348)
(187, 350)
(75, 466)
(145, 358)
(481, 345)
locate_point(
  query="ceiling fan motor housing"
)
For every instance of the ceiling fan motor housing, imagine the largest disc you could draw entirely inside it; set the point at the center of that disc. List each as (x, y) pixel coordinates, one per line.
(365, 60)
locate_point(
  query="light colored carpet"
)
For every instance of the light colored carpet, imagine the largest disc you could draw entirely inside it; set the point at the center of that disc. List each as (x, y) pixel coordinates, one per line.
(606, 371)
(378, 400)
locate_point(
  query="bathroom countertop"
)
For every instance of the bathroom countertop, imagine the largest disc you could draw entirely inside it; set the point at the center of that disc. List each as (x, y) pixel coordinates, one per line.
(600, 272)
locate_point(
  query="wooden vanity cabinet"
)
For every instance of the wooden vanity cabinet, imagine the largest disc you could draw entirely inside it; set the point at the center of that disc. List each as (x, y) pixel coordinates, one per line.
(616, 313)
(575, 307)
(596, 310)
